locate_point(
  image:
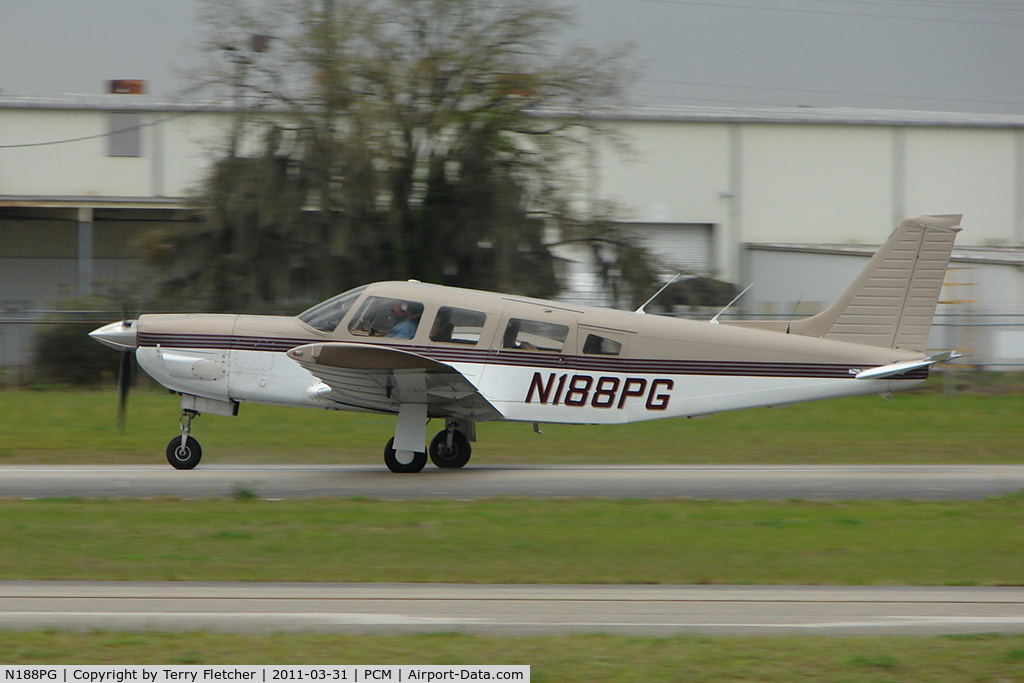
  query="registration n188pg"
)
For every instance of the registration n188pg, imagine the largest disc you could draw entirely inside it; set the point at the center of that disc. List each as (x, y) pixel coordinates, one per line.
(30, 674)
(598, 392)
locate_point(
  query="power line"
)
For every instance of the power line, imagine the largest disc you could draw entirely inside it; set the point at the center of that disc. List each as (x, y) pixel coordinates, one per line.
(97, 136)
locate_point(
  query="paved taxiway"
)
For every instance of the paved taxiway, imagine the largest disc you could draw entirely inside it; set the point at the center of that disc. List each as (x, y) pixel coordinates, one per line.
(510, 609)
(647, 481)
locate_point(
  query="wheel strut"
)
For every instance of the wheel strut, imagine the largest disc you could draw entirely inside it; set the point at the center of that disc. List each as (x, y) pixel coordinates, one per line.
(186, 422)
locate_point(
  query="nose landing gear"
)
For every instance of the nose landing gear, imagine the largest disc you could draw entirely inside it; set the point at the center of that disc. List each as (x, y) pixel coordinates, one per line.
(184, 452)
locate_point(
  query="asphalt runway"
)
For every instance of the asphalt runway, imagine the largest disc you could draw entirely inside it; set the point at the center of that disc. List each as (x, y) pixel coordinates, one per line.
(510, 609)
(737, 482)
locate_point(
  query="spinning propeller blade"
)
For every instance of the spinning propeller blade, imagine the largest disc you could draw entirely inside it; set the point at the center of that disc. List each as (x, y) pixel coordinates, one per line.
(124, 381)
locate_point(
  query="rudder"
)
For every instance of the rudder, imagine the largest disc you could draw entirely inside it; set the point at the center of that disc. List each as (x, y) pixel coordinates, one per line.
(892, 302)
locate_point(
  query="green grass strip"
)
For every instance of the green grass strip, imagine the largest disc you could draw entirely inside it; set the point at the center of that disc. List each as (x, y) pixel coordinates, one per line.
(517, 541)
(566, 659)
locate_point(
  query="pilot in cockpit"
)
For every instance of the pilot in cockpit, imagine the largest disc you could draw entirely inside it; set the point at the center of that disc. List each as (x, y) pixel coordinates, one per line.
(407, 318)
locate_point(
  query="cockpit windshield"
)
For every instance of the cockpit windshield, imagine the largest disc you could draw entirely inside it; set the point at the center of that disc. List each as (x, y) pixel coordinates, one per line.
(326, 315)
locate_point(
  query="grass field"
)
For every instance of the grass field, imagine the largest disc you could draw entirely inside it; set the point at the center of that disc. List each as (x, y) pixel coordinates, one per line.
(926, 427)
(517, 541)
(567, 659)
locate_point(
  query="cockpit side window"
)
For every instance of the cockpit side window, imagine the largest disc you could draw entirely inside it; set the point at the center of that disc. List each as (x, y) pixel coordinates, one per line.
(326, 315)
(387, 317)
(457, 325)
(601, 346)
(534, 335)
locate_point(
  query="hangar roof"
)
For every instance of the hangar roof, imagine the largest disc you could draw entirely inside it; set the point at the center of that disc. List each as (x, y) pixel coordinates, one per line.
(681, 114)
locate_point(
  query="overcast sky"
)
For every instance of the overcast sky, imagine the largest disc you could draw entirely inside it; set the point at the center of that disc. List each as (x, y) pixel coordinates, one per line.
(953, 55)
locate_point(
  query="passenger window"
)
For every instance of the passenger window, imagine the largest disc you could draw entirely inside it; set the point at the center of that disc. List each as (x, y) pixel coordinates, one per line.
(386, 317)
(534, 336)
(457, 325)
(601, 346)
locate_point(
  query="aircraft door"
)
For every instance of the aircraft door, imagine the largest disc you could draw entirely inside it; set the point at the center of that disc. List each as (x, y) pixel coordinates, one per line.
(613, 392)
(533, 365)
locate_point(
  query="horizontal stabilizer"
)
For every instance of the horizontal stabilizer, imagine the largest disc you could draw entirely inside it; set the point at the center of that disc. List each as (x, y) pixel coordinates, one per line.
(903, 367)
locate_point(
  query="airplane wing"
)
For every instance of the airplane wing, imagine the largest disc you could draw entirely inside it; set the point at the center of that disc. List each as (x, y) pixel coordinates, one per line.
(902, 367)
(381, 378)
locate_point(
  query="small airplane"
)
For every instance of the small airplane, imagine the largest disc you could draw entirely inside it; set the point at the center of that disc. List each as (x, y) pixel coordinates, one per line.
(422, 351)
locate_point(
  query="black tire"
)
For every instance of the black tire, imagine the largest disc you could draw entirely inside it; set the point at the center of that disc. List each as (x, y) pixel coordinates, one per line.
(450, 458)
(184, 458)
(419, 460)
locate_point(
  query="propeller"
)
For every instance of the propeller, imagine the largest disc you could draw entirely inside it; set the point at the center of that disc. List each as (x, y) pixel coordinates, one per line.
(122, 336)
(124, 382)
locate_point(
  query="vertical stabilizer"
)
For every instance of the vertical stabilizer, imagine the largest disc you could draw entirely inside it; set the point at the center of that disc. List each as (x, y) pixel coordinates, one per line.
(892, 301)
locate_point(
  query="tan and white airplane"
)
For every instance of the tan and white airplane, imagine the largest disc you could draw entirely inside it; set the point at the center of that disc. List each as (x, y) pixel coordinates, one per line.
(422, 351)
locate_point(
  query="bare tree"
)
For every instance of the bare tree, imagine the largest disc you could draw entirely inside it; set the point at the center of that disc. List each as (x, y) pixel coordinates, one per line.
(430, 135)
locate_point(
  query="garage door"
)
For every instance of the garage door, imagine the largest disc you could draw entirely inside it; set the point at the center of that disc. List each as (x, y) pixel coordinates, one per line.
(677, 247)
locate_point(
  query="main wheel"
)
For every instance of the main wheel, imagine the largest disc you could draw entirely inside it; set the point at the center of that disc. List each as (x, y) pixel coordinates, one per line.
(419, 459)
(450, 457)
(184, 457)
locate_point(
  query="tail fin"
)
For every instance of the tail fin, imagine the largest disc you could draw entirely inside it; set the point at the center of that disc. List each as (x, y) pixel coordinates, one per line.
(892, 301)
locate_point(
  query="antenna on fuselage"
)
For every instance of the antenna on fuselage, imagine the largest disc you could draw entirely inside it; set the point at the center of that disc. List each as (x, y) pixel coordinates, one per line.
(792, 315)
(714, 321)
(641, 310)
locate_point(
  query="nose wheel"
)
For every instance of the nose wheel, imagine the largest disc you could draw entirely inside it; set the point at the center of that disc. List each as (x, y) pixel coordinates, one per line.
(184, 452)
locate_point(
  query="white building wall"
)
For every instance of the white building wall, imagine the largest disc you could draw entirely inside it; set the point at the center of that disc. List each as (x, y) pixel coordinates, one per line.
(53, 169)
(667, 173)
(176, 149)
(814, 183)
(190, 145)
(969, 171)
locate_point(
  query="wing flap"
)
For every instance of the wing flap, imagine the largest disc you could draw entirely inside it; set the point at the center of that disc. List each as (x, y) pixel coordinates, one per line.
(381, 378)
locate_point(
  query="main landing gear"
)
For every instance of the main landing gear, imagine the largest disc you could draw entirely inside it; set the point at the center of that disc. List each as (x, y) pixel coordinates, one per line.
(403, 462)
(184, 452)
(449, 449)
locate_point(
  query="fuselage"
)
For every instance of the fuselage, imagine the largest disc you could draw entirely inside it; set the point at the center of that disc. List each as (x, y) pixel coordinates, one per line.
(531, 360)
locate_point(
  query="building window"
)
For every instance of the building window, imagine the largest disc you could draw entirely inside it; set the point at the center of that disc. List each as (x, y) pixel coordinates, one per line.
(124, 135)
